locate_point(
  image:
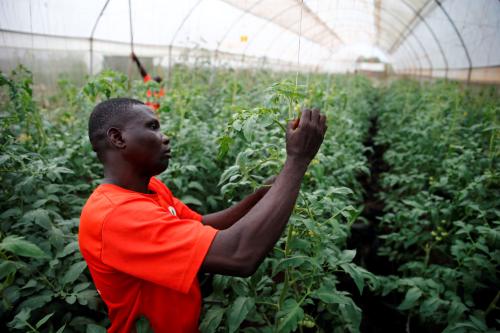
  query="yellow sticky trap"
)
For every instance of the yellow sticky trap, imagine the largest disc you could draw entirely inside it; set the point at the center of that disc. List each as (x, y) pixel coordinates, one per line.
(243, 38)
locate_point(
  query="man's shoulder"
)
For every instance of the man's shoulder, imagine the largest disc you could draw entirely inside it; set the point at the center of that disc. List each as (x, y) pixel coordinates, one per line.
(159, 187)
(108, 195)
(156, 182)
(106, 198)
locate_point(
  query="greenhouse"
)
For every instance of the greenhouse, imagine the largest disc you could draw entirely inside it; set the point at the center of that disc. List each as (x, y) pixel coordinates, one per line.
(343, 158)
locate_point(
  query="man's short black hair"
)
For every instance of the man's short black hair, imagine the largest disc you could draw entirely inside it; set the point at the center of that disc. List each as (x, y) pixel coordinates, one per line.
(111, 113)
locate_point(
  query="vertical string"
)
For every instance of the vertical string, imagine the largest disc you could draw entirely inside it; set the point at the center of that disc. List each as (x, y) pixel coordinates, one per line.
(130, 22)
(32, 42)
(298, 52)
(131, 44)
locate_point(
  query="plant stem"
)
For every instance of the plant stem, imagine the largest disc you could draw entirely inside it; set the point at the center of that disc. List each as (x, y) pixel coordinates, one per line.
(427, 250)
(287, 277)
(408, 324)
(493, 304)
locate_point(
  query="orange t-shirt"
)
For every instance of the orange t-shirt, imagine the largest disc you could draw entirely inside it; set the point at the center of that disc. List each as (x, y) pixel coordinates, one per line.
(144, 252)
(153, 97)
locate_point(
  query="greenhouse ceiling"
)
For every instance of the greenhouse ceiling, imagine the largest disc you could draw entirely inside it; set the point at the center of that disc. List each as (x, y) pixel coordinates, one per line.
(457, 39)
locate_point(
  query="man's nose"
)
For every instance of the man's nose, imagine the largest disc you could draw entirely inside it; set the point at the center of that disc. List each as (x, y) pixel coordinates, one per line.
(165, 139)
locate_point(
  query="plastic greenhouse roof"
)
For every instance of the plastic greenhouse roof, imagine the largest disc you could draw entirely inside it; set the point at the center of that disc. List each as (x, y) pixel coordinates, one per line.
(422, 37)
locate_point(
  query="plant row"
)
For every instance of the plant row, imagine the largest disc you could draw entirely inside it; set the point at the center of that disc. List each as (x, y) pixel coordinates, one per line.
(442, 211)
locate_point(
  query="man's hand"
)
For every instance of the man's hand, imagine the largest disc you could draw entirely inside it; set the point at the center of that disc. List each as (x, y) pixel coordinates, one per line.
(239, 249)
(305, 135)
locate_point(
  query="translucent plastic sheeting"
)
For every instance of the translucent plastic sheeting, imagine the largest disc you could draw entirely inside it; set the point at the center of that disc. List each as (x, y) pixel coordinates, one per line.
(456, 39)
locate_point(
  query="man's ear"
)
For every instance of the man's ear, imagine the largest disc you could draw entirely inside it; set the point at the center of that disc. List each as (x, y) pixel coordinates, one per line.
(115, 138)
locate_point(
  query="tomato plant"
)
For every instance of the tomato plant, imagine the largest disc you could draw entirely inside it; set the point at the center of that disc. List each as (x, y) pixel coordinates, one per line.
(439, 224)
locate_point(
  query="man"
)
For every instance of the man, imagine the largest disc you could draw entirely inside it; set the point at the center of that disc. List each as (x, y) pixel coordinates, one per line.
(144, 247)
(152, 97)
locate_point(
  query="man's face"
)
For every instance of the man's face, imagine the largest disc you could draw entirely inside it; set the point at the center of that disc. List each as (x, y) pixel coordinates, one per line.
(147, 148)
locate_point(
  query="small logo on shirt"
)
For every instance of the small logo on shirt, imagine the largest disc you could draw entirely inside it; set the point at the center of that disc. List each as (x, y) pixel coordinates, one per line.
(172, 210)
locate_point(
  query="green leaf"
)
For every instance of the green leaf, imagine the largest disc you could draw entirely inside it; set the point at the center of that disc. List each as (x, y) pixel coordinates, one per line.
(411, 297)
(30, 284)
(21, 319)
(61, 329)
(347, 256)
(211, 320)
(289, 262)
(429, 306)
(11, 212)
(81, 286)
(479, 323)
(224, 145)
(355, 274)
(238, 312)
(289, 316)
(7, 267)
(11, 294)
(331, 296)
(455, 311)
(93, 328)
(40, 217)
(71, 299)
(74, 272)
(21, 247)
(340, 190)
(249, 128)
(68, 249)
(196, 185)
(37, 301)
(353, 315)
(190, 200)
(44, 320)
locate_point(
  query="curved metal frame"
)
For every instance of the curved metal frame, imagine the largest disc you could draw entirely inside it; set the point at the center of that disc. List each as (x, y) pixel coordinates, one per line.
(92, 36)
(384, 9)
(381, 7)
(169, 74)
(459, 37)
(427, 25)
(410, 51)
(406, 32)
(245, 12)
(411, 48)
(411, 55)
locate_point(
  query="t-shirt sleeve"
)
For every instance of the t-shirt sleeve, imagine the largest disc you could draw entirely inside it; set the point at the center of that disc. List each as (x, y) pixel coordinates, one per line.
(141, 239)
(184, 212)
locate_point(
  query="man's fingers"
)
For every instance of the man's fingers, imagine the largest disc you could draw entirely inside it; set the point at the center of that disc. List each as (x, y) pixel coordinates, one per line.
(322, 122)
(315, 116)
(309, 116)
(305, 118)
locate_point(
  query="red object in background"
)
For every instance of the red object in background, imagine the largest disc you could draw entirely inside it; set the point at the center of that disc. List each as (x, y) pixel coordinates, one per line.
(152, 97)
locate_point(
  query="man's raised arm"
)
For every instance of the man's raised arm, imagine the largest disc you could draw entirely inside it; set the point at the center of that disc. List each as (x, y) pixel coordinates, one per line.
(141, 68)
(241, 248)
(225, 218)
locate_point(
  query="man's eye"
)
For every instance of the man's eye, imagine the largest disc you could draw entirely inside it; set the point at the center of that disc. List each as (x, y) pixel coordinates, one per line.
(154, 126)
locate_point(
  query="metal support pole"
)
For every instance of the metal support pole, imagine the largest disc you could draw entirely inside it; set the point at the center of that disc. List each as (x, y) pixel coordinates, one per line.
(418, 14)
(92, 37)
(174, 37)
(459, 37)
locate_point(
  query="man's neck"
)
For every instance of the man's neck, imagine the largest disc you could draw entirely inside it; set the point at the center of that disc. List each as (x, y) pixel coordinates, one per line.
(126, 180)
